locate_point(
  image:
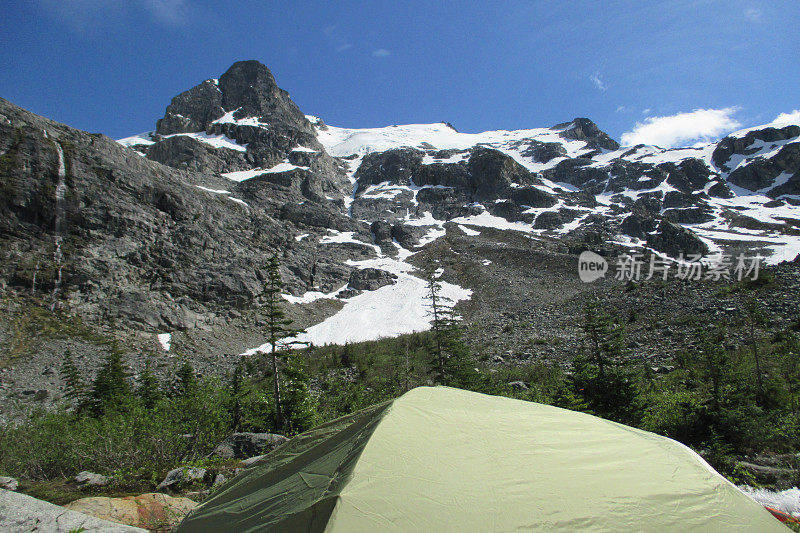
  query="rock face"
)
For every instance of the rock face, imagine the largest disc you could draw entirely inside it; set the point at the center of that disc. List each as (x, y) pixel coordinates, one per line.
(152, 511)
(8, 483)
(20, 513)
(244, 445)
(247, 89)
(583, 129)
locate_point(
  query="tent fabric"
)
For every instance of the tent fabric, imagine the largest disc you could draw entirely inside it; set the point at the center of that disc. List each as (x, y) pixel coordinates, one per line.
(442, 459)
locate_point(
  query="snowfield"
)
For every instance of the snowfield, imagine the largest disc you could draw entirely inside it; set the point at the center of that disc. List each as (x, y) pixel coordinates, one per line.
(389, 311)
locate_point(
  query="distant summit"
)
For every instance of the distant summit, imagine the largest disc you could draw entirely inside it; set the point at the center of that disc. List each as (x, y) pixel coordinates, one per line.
(246, 89)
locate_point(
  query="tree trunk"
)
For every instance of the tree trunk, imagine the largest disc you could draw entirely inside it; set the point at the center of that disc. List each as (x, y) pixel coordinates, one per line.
(276, 391)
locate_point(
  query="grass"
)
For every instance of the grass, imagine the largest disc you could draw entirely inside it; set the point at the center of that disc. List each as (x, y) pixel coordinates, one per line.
(31, 323)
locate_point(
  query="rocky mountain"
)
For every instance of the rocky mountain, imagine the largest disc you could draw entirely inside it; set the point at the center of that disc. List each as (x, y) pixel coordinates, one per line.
(168, 232)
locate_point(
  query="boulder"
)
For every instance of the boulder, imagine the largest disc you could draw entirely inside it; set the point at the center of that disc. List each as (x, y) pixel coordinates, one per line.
(181, 476)
(243, 445)
(152, 511)
(20, 513)
(91, 479)
(370, 279)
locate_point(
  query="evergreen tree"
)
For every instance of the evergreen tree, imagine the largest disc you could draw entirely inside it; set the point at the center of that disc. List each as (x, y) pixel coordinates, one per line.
(299, 406)
(601, 378)
(74, 386)
(788, 362)
(148, 389)
(278, 329)
(236, 388)
(450, 355)
(605, 338)
(185, 383)
(110, 389)
(755, 317)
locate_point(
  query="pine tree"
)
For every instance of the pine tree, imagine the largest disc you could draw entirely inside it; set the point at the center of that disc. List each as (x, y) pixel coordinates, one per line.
(437, 323)
(450, 354)
(600, 377)
(110, 389)
(605, 338)
(278, 329)
(148, 388)
(755, 317)
(185, 383)
(235, 388)
(74, 386)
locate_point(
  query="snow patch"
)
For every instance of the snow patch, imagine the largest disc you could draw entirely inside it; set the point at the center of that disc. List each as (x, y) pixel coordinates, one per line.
(165, 339)
(216, 141)
(389, 311)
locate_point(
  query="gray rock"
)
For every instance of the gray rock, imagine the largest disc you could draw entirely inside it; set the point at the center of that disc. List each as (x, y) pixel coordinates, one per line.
(370, 279)
(252, 460)
(674, 240)
(20, 513)
(243, 445)
(8, 483)
(91, 479)
(181, 476)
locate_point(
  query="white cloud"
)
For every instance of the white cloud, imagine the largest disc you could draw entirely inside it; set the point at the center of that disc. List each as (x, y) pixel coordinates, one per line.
(172, 12)
(339, 42)
(87, 15)
(682, 129)
(753, 15)
(381, 52)
(785, 119)
(598, 81)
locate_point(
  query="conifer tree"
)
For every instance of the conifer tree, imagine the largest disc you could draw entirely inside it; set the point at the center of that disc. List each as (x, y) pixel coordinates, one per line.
(278, 329)
(235, 389)
(599, 377)
(148, 389)
(450, 354)
(110, 389)
(74, 386)
(185, 383)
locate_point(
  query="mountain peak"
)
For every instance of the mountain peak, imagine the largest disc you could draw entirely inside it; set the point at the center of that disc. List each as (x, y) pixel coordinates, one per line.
(583, 129)
(247, 88)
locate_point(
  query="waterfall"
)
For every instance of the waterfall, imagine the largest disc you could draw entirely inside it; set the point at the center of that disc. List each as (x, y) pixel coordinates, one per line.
(61, 189)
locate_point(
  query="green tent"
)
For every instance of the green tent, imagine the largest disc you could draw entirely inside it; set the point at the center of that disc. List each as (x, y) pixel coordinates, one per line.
(442, 459)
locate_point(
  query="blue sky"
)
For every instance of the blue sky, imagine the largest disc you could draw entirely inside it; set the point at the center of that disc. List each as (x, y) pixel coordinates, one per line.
(112, 66)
